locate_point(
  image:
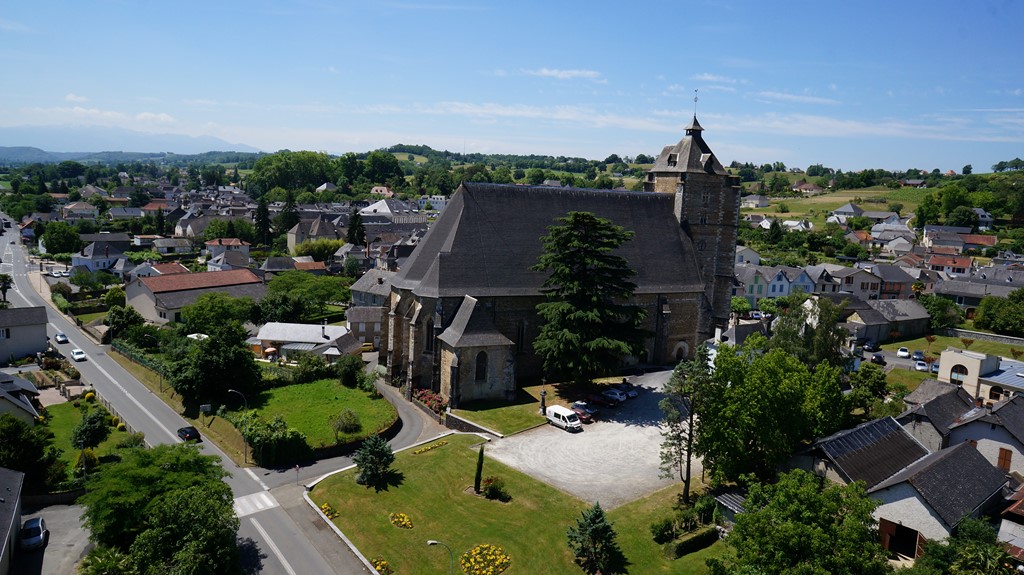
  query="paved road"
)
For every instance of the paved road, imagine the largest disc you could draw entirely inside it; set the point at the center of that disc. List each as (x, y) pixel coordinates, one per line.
(282, 547)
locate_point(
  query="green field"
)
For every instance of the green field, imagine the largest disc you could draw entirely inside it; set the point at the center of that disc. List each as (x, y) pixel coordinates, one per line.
(435, 490)
(816, 208)
(942, 342)
(308, 408)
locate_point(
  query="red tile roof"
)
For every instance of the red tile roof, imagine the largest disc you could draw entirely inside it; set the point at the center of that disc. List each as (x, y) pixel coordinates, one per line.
(309, 266)
(227, 242)
(200, 280)
(978, 239)
(170, 268)
(949, 261)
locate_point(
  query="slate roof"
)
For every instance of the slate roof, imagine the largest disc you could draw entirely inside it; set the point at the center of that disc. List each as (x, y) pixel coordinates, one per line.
(365, 314)
(953, 481)
(300, 332)
(891, 274)
(233, 259)
(943, 409)
(691, 154)
(101, 250)
(375, 282)
(872, 451)
(488, 237)
(899, 309)
(471, 327)
(928, 390)
(965, 287)
(18, 316)
(849, 208)
(10, 503)
(1008, 414)
(199, 280)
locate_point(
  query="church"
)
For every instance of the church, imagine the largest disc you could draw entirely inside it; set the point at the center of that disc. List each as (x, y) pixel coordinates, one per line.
(461, 316)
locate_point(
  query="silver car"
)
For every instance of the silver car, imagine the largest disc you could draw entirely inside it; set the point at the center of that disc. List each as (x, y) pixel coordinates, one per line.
(33, 534)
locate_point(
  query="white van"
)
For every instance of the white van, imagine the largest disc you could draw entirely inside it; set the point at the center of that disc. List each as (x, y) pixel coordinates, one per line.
(564, 417)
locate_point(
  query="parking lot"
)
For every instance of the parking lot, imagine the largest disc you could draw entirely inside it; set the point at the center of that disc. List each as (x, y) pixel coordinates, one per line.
(68, 542)
(612, 461)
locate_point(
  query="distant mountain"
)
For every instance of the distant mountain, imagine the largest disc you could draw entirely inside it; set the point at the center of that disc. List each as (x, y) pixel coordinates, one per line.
(82, 140)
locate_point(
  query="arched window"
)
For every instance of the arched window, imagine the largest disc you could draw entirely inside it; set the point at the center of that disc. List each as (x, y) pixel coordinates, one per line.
(481, 366)
(430, 335)
(957, 374)
(995, 393)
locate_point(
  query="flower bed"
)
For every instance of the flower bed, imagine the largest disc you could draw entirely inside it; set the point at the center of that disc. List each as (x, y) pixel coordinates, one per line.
(328, 511)
(485, 559)
(431, 399)
(400, 520)
(427, 448)
(382, 566)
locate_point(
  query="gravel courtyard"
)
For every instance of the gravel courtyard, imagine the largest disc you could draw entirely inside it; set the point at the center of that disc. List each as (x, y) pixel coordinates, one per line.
(612, 461)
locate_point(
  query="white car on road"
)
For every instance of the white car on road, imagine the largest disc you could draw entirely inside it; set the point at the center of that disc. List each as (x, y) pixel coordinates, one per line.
(77, 354)
(903, 352)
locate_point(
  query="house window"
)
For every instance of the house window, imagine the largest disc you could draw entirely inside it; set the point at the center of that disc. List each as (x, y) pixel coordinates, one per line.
(848, 281)
(759, 290)
(995, 393)
(1004, 459)
(5, 333)
(957, 374)
(481, 366)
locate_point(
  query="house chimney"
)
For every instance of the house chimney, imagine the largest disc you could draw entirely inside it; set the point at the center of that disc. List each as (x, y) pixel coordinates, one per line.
(106, 251)
(380, 281)
(323, 329)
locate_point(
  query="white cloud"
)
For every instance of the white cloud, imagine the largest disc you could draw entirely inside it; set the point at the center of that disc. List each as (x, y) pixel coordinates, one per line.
(564, 74)
(716, 88)
(797, 98)
(714, 79)
(72, 97)
(150, 117)
(12, 26)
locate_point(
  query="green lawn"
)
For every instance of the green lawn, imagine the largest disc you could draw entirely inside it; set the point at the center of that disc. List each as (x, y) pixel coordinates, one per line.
(942, 342)
(632, 522)
(88, 317)
(816, 208)
(435, 491)
(63, 419)
(307, 407)
(524, 412)
(908, 377)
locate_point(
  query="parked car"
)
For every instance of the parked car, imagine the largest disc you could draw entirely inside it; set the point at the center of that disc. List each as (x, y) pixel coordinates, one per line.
(598, 399)
(903, 352)
(935, 368)
(628, 388)
(33, 534)
(870, 345)
(189, 433)
(920, 366)
(615, 395)
(917, 356)
(77, 354)
(60, 337)
(367, 347)
(584, 407)
(878, 359)
(584, 415)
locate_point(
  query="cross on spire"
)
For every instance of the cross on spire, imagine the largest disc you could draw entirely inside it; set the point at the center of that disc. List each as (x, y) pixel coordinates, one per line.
(695, 103)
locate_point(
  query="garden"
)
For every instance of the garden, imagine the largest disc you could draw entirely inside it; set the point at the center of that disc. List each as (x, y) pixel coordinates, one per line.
(392, 523)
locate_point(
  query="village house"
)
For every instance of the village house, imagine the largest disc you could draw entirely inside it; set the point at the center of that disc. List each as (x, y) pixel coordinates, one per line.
(159, 299)
(22, 332)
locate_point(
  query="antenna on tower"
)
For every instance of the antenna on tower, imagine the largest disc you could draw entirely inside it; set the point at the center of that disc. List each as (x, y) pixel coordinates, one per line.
(695, 103)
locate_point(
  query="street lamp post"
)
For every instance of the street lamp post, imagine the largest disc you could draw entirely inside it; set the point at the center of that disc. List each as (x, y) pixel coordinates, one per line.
(451, 568)
(245, 430)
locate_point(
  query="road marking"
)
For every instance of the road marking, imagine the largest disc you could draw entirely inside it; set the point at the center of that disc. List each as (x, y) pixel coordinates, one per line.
(254, 503)
(273, 547)
(136, 402)
(257, 479)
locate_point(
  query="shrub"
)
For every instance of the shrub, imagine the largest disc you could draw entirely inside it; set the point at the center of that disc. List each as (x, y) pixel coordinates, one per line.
(494, 489)
(663, 530)
(132, 441)
(60, 289)
(346, 422)
(121, 426)
(61, 303)
(72, 372)
(705, 507)
(90, 397)
(115, 421)
(87, 458)
(699, 540)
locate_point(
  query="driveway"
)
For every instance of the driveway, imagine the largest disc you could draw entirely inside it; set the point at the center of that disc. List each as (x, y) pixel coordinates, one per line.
(68, 542)
(612, 461)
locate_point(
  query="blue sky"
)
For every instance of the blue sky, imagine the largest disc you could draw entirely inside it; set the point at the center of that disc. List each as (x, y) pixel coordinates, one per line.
(851, 85)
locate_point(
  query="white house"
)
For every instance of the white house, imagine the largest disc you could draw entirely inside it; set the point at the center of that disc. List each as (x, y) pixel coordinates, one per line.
(746, 255)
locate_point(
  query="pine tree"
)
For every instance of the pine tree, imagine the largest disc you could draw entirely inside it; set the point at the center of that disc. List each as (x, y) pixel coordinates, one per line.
(592, 541)
(356, 230)
(374, 461)
(588, 326)
(262, 221)
(479, 469)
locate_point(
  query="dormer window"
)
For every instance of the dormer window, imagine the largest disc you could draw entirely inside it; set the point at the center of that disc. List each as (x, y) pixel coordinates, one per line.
(673, 159)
